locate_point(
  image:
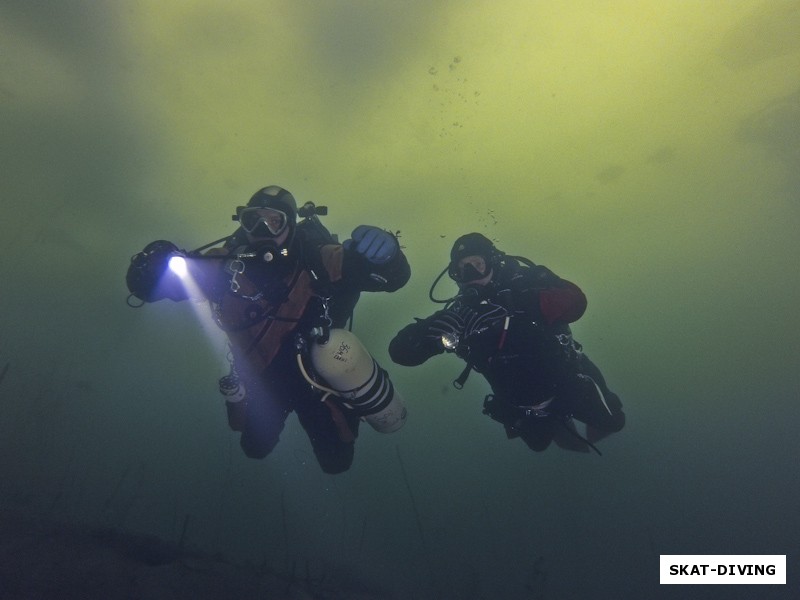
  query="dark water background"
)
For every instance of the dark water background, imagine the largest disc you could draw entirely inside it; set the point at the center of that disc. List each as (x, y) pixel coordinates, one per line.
(648, 151)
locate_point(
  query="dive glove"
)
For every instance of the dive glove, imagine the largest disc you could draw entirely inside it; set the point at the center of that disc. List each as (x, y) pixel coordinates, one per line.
(149, 277)
(447, 326)
(375, 244)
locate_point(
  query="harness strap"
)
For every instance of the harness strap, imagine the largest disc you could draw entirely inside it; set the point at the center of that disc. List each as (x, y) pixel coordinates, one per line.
(459, 382)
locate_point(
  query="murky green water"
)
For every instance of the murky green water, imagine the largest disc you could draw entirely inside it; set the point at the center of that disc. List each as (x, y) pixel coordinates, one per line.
(647, 151)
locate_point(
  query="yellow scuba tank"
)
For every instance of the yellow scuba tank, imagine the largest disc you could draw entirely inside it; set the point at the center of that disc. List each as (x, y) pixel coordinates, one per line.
(356, 377)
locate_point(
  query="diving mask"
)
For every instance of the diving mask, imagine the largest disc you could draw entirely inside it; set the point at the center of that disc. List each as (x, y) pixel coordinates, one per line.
(469, 269)
(262, 222)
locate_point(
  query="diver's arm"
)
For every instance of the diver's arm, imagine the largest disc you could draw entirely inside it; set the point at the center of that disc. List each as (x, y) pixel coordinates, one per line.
(565, 303)
(374, 261)
(412, 345)
(549, 298)
(417, 342)
(387, 277)
(150, 277)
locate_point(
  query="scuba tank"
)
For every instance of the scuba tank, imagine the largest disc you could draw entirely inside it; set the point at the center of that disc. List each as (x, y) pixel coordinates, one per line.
(356, 377)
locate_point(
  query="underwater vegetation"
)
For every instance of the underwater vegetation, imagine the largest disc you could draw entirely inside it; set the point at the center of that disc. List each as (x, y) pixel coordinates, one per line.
(43, 559)
(53, 546)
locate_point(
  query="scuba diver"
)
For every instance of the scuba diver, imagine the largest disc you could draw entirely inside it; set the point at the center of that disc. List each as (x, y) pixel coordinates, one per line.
(510, 322)
(283, 291)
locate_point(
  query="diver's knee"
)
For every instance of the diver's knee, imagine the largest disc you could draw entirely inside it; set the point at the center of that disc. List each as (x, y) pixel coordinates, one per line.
(257, 449)
(619, 422)
(337, 461)
(611, 423)
(538, 442)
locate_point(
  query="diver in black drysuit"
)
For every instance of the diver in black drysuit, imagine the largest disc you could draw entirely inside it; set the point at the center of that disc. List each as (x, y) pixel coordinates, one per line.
(510, 323)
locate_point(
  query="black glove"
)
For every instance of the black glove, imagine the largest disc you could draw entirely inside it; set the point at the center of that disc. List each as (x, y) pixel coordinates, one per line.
(149, 277)
(447, 326)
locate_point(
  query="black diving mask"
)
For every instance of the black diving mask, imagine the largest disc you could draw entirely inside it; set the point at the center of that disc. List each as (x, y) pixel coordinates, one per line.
(262, 222)
(466, 272)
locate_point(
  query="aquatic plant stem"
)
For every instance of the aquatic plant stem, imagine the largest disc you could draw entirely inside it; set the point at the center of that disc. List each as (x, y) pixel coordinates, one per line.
(413, 502)
(425, 549)
(285, 533)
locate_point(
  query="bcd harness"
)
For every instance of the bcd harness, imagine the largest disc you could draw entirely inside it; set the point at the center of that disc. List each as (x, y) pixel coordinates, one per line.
(257, 319)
